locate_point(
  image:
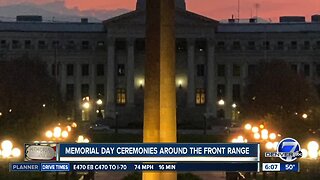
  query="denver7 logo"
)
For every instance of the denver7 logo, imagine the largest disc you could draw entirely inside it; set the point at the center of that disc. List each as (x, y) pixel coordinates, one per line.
(288, 147)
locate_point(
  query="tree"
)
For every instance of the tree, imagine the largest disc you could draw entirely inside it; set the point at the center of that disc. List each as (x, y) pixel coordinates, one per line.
(28, 96)
(282, 95)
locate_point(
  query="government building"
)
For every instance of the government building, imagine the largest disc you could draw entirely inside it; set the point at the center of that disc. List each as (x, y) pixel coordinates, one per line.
(105, 61)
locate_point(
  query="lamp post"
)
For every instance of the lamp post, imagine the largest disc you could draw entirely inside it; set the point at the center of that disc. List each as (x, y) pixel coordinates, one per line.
(99, 103)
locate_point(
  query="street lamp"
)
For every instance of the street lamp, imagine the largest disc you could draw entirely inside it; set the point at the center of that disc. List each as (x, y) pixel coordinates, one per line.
(234, 105)
(304, 116)
(221, 102)
(247, 126)
(8, 151)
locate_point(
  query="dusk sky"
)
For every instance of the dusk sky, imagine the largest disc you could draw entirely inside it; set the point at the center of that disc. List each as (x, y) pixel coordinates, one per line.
(216, 9)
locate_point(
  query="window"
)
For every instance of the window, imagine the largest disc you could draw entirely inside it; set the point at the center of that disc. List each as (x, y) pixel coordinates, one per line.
(221, 45)
(318, 45)
(294, 68)
(100, 90)
(15, 44)
(42, 45)
(236, 92)
(236, 70)
(306, 45)
(280, 45)
(3, 44)
(121, 70)
(318, 70)
(306, 70)
(236, 45)
(200, 70)
(252, 70)
(266, 45)
(27, 44)
(221, 91)
(251, 45)
(120, 45)
(221, 70)
(200, 96)
(54, 69)
(121, 96)
(70, 92)
(71, 45)
(181, 46)
(70, 70)
(85, 45)
(100, 45)
(100, 69)
(200, 46)
(84, 90)
(55, 44)
(294, 45)
(140, 45)
(85, 69)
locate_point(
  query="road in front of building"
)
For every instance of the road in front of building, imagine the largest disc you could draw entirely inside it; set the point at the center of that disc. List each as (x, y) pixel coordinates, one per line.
(120, 175)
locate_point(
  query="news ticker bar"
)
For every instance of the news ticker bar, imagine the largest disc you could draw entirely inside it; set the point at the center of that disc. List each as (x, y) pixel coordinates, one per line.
(81, 167)
(143, 152)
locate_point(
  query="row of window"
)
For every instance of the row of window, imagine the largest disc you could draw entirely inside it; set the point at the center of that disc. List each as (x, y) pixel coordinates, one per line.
(267, 45)
(44, 45)
(200, 96)
(252, 70)
(100, 70)
(200, 68)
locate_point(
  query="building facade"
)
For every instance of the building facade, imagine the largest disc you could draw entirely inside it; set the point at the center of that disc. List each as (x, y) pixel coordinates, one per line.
(213, 60)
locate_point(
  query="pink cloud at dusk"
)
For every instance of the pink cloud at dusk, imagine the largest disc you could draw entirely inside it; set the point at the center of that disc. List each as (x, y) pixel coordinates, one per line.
(216, 9)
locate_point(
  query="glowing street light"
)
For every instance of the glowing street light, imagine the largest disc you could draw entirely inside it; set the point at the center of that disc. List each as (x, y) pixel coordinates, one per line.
(304, 153)
(248, 126)
(269, 145)
(16, 152)
(234, 105)
(64, 134)
(255, 129)
(86, 105)
(99, 102)
(304, 116)
(57, 132)
(221, 102)
(49, 134)
(313, 146)
(264, 134)
(256, 136)
(6, 145)
(272, 136)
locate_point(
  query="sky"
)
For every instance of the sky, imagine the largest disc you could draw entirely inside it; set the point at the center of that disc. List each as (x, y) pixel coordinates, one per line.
(216, 9)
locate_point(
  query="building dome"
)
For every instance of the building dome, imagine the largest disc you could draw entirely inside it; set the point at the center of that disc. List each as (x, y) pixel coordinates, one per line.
(141, 4)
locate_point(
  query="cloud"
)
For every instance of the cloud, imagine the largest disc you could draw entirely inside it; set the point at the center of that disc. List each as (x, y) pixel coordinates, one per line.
(54, 10)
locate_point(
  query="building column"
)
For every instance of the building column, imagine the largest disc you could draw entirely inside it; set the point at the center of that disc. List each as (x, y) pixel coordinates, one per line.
(229, 91)
(77, 89)
(110, 105)
(191, 86)
(92, 92)
(130, 72)
(63, 79)
(211, 92)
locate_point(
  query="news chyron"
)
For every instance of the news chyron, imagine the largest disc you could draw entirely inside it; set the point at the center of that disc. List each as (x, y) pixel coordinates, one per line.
(288, 150)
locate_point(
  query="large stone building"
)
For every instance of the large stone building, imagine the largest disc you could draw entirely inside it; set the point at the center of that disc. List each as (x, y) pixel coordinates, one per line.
(214, 60)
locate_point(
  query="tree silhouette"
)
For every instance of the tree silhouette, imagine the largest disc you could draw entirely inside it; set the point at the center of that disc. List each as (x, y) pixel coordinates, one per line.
(29, 97)
(282, 94)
